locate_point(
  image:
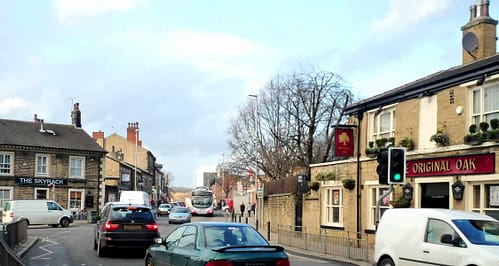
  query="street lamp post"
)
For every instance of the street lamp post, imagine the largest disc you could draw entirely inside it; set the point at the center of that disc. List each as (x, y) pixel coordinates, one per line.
(256, 153)
(136, 155)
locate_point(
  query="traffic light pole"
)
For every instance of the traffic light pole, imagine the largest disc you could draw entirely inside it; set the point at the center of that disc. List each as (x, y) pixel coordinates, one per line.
(378, 203)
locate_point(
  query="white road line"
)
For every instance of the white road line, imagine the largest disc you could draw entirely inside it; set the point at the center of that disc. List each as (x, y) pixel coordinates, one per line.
(48, 252)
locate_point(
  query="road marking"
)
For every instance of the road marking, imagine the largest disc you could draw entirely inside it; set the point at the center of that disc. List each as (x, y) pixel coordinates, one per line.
(44, 248)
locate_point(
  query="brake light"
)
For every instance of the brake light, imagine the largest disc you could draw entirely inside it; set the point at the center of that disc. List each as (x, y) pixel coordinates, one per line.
(108, 226)
(219, 263)
(282, 262)
(152, 227)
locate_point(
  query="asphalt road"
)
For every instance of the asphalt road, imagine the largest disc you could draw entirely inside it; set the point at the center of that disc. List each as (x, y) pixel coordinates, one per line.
(74, 246)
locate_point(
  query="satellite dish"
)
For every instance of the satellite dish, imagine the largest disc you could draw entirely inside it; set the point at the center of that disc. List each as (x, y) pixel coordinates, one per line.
(470, 42)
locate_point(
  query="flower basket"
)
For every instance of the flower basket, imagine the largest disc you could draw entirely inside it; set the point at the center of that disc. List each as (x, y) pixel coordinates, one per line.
(314, 185)
(348, 183)
(440, 138)
(400, 203)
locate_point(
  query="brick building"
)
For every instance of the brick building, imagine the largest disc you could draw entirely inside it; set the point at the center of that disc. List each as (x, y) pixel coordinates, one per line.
(41, 160)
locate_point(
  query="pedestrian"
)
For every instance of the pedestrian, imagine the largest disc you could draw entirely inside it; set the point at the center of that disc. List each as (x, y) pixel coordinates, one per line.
(249, 210)
(242, 207)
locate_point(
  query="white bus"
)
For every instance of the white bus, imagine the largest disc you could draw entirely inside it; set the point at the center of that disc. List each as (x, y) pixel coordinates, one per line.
(202, 201)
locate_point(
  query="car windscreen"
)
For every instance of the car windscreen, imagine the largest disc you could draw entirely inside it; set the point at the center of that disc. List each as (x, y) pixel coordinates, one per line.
(480, 232)
(180, 210)
(233, 236)
(127, 213)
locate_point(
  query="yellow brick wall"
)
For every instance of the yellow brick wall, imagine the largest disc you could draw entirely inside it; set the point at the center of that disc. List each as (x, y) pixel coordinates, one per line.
(407, 119)
(454, 125)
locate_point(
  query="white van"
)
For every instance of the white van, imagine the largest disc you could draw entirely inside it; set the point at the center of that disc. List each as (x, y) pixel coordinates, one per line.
(37, 212)
(409, 236)
(135, 197)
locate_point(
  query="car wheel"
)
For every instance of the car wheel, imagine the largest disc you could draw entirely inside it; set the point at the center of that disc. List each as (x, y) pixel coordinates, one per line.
(386, 262)
(169, 222)
(149, 261)
(100, 250)
(64, 222)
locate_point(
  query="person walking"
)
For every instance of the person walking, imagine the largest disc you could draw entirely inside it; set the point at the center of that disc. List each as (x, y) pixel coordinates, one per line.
(242, 207)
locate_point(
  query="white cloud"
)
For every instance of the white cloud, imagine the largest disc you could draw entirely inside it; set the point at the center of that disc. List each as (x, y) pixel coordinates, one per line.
(9, 105)
(66, 9)
(403, 13)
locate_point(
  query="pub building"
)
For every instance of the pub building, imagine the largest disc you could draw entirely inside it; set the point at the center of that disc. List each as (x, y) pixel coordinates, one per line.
(436, 118)
(60, 162)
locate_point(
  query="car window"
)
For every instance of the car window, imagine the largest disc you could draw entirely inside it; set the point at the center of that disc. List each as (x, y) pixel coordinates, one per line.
(180, 210)
(435, 229)
(480, 232)
(125, 213)
(174, 236)
(188, 238)
(52, 206)
(232, 236)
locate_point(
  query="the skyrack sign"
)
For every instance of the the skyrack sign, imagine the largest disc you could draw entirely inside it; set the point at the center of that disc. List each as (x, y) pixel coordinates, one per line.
(455, 165)
(40, 181)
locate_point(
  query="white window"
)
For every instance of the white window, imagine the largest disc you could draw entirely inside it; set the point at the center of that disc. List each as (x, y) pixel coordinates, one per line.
(485, 199)
(485, 103)
(5, 195)
(42, 165)
(375, 193)
(333, 206)
(76, 167)
(76, 200)
(382, 124)
(6, 163)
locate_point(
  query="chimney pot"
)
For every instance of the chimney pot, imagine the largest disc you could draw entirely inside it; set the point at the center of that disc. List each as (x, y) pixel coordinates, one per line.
(472, 12)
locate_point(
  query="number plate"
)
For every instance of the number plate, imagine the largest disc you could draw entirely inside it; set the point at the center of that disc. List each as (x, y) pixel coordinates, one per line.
(132, 227)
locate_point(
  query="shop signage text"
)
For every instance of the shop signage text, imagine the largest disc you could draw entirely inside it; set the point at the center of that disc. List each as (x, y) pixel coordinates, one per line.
(456, 165)
(40, 181)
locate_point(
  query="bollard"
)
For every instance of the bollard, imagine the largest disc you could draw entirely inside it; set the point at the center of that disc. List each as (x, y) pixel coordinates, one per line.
(246, 220)
(256, 224)
(268, 231)
(239, 218)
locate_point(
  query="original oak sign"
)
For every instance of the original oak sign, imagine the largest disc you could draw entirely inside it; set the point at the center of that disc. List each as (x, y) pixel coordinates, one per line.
(456, 165)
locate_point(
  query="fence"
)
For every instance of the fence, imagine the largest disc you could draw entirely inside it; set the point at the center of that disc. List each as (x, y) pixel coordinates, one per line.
(347, 244)
(12, 235)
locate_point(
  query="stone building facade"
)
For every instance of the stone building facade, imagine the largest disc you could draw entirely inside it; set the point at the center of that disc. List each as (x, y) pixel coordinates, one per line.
(41, 160)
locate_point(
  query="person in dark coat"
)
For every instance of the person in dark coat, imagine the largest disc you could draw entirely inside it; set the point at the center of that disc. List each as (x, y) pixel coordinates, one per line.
(242, 207)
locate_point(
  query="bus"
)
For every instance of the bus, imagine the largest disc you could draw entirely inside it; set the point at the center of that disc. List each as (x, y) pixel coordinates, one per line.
(202, 201)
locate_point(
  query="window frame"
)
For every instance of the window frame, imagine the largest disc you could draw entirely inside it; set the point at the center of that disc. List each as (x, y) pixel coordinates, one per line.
(481, 114)
(10, 164)
(37, 164)
(481, 203)
(71, 167)
(2, 199)
(377, 189)
(71, 200)
(329, 205)
(47, 191)
(374, 124)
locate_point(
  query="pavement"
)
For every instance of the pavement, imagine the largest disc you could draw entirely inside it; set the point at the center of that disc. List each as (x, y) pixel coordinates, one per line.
(22, 248)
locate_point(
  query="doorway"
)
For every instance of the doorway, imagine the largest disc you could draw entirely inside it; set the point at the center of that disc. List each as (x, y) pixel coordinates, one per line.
(435, 195)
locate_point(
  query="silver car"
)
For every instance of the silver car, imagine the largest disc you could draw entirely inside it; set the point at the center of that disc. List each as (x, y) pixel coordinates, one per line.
(179, 215)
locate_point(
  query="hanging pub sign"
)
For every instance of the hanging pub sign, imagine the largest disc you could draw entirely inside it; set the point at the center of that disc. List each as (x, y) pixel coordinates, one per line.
(343, 141)
(455, 165)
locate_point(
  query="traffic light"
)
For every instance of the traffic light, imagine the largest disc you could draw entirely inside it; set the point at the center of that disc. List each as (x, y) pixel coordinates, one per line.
(396, 165)
(382, 168)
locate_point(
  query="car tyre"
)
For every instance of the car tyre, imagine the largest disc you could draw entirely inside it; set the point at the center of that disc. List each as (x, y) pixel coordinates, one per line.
(149, 261)
(386, 262)
(64, 222)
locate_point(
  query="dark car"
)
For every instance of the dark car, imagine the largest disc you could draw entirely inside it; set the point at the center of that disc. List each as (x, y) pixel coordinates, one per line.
(215, 243)
(123, 225)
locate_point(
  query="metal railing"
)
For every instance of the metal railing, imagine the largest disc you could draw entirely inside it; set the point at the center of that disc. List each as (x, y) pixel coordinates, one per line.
(351, 245)
(12, 235)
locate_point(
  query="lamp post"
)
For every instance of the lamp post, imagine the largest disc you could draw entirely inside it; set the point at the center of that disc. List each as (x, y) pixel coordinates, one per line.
(256, 152)
(136, 155)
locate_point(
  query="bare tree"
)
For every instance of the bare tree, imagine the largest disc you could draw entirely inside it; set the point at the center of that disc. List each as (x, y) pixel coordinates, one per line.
(294, 124)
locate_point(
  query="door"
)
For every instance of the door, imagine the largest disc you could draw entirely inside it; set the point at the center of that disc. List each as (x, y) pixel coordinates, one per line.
(435, 252)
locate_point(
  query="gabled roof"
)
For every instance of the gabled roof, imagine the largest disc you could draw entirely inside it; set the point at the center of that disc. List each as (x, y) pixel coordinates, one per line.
(429, 85)
(57, 136)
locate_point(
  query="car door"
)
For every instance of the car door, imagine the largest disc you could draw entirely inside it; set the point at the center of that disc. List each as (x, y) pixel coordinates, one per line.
(186, 251)
(171, 241)
(434, 251)
(54, 213)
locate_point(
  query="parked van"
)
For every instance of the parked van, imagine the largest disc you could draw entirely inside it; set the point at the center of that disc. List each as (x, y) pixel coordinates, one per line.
(409, 236)
(135, 197)
(37, 212)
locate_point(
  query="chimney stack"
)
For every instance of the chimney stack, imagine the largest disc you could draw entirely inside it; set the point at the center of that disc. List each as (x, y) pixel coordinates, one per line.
(132, 133)
(481, 30)
(98, 137)
(76, 115)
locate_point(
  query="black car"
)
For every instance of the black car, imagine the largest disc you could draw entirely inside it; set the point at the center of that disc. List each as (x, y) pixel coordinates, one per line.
(123, 225)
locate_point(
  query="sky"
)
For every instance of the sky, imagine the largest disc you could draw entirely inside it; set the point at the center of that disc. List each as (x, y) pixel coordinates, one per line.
(182, 69)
